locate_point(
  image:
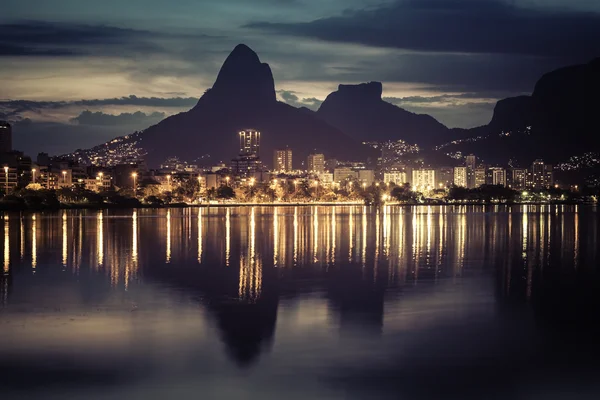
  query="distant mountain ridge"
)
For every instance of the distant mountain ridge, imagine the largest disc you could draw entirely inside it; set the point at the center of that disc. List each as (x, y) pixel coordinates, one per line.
(559, 119)
(360, 112)
(242, 97)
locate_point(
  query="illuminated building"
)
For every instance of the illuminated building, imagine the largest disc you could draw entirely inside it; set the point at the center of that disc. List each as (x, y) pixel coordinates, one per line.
(249, 142)
(471, 163)
(423, 179)
(282, 160)
(460, 176)
(5, 137)
(541, 175)
(396, 177)
(316, 163)
(341, 174)
(519, 178)
(498, 176)
(479, 176)
(366, 176)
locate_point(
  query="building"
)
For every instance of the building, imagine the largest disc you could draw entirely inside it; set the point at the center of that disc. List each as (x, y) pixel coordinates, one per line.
(479, 176)
(249, 142)
(282, 160)
(519, 179)
(445, 177)
(5, 137)
(395, 177)
(498, 176)
(8, 178)
(460, 177)
(366, 176)
(423, 179)
(549, 175)
(471, 164)
(246, 165)
(471, 161)
(326, 178)
(341, 174)
(541, 175)
(316, 164)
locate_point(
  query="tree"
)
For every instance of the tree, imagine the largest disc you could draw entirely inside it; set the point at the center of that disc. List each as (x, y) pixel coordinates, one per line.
(225, 192)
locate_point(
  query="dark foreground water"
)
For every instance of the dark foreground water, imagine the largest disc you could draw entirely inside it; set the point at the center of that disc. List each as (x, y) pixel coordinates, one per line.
(301, 303)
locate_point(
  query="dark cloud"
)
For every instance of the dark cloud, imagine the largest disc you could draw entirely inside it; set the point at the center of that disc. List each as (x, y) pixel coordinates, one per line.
(12, 108)
(460, 26)
(99, 118)
(292, 99)
(35, 38)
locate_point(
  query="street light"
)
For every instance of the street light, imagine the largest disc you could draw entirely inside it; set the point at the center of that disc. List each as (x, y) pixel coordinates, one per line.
(64, 174)
(169, 182)
(134, 176)
(227, 180)
(252, 181)
(364, 186)
(33, 174)
(295, 185)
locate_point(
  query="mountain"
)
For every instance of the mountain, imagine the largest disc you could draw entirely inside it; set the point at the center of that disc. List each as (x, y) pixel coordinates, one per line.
(242, 97)
(559, 119)
(359, 111)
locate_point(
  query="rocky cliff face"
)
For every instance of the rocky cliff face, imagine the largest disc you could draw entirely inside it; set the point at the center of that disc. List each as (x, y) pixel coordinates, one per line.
(359, 111)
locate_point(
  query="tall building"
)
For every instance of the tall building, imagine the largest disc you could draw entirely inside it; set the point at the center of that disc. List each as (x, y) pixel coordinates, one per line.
(460, 177)
(471, 164)
(316, 163)
(498, 176)
(423, 179)
(541, 175)
(480, 176)
(471, 161)
(249, 142)
(5, 137)
(519, 178)
(282, 160)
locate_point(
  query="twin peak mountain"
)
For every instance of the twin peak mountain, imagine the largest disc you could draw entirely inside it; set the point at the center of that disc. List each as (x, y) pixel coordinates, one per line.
(243, 96)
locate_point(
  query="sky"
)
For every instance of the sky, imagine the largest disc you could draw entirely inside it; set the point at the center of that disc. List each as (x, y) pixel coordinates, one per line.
(75, 73)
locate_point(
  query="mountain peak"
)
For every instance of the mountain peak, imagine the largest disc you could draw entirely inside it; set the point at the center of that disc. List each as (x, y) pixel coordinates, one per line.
(366, 91)
(243, 77)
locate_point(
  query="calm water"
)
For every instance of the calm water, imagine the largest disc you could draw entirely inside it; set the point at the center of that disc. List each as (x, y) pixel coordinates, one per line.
(300, 303)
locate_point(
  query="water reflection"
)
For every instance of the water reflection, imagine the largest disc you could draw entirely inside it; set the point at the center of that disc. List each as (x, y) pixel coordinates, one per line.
(360, 272)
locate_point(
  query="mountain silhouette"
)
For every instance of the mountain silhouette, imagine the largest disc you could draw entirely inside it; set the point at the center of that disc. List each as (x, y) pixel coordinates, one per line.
(360, 112)
(243, 96)
(557, 121)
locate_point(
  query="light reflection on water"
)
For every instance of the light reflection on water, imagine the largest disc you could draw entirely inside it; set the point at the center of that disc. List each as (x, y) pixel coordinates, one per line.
(327, 302)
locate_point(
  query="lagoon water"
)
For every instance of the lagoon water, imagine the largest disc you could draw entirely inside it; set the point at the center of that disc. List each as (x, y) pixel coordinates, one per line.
(318, 302)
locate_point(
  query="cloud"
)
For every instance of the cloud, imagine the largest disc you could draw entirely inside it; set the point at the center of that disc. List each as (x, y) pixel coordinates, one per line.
(291, 98)
(37, 38)
(99, 118)
(458, 26)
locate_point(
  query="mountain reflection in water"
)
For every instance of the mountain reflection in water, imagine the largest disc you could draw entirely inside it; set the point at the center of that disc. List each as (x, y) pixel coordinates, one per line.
(327, 302)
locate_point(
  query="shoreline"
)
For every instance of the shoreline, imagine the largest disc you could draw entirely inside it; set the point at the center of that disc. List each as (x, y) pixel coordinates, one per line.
(4, 208)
